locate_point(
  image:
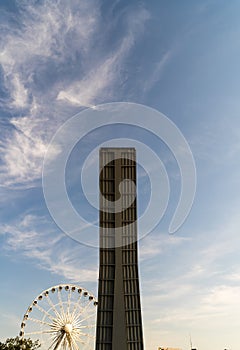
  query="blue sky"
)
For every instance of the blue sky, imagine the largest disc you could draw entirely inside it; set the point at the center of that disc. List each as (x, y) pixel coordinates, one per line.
(181, 58)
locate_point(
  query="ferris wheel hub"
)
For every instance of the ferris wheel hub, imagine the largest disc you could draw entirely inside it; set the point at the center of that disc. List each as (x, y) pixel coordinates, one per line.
(68, 328)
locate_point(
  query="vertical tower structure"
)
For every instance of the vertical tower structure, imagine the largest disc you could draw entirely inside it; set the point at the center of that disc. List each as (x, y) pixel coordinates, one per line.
(119, 320)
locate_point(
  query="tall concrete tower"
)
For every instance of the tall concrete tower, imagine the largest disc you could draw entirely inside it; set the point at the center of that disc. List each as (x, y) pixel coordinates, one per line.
(119, 321)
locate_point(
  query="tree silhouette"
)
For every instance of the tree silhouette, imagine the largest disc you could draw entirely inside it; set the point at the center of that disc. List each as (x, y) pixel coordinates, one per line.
(19, 344)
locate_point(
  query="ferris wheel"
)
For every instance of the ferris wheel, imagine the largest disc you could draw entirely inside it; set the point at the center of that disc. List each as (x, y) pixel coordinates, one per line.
(62, 317)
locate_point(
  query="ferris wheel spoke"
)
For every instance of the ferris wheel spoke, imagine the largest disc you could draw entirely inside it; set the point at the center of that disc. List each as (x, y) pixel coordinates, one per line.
(85, 335)
(75, 345)
(64, 345)
(81, 298)
(50, 303)
(84, 309)
(87, 326)
(86, 318)
(68, 301)
(60, 301)
(77, 303)
(37, 332)
(80, 341)
(39, 321)
(54, 340)
(69, 340)
(45, 312)
(75, 319)
(87, 306)
(57, 342)
(58, 323)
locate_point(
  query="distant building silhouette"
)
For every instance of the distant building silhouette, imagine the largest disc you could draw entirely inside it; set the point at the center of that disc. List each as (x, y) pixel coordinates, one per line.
(170, 348)
(119, 321)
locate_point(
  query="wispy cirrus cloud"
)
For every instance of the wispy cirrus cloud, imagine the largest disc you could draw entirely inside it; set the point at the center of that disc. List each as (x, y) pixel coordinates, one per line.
(159, 67)
(154, 245)
(212, 305)
(41, 43)
(22, 152)
(39, 38)
(31, 237)
(199, 289)
(86, 91)
(52, 64)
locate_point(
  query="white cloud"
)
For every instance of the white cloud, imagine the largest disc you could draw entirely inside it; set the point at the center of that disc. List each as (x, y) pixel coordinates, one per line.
(155, 244)
(223, 297)
(86, 91)
(233, 276)
(52, 62)
(19, 92)
(50, 250)
(23, 153)
(42, 39)
(212, 306)
(195, 288)
(158, 69)
(186, 307)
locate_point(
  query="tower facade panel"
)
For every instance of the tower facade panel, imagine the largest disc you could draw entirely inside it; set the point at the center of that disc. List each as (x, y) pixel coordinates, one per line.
(119, 321)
